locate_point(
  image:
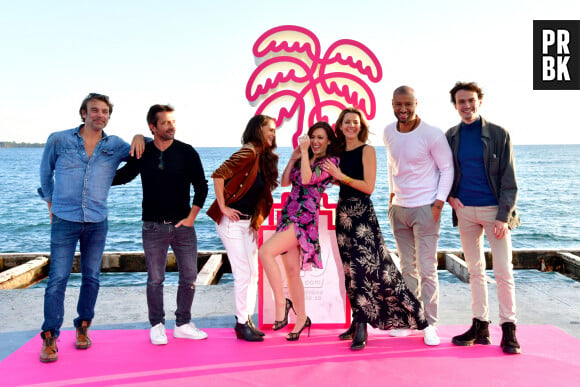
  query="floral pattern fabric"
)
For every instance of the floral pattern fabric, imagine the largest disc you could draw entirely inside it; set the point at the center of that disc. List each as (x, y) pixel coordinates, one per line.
(302, 208)
(376, 289)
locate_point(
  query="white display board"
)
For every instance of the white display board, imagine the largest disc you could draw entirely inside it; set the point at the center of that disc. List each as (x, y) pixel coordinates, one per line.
(326, 300)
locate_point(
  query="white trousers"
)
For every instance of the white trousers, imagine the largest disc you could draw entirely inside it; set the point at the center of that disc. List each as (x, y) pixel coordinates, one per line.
(243, 256)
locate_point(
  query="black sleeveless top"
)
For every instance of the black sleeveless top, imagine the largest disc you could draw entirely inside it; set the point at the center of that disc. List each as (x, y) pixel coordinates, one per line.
(352, 166)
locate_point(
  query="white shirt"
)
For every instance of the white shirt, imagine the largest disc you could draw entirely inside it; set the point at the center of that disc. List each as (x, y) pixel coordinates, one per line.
(420, 165)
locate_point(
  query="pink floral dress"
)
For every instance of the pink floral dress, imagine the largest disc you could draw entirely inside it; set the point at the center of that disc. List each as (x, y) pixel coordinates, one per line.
(302, 208)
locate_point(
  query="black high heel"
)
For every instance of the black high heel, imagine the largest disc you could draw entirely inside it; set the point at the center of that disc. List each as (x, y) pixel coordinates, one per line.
(349, 333)
(281, 324)
(244, 331)
(254, 327)
(294, 336)
(359, 341)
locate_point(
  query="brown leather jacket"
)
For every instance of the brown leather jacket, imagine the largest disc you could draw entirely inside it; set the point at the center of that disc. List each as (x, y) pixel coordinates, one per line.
(239, 173)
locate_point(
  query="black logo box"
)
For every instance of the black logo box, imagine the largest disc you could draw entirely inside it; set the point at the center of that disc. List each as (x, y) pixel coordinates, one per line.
(573, 64)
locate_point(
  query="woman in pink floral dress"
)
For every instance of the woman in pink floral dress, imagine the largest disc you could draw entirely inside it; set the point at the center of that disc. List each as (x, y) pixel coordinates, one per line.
(296, 235)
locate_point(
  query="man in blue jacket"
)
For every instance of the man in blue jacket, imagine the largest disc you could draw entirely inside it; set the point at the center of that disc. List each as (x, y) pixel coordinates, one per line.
(76, 172)
(483, 198)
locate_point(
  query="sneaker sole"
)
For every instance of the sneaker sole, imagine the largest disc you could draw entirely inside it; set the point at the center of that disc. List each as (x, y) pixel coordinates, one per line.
(400, 334)
(189, 337)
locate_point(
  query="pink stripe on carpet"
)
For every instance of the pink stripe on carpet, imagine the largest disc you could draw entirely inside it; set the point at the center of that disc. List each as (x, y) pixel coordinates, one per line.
(126, 357)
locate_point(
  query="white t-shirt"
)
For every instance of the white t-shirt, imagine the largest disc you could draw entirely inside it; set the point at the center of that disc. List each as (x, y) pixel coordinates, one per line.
(420, 165)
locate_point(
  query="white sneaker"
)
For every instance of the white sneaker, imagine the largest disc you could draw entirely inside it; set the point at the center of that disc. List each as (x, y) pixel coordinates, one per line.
(189, 331)
(430, 336)
(157, 334)
(400, 332)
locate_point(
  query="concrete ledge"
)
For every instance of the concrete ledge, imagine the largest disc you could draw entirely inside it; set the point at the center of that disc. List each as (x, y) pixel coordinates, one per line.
(208, 273)
(457, 267)
(571, 263)
(24, 275)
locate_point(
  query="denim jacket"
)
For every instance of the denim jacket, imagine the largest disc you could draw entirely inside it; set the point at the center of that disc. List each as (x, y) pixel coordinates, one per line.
(498, 158)
(78, 186)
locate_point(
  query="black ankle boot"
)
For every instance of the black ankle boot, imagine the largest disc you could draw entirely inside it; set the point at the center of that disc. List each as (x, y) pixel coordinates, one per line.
(254, 327)
(359, 340)
(349, 333)
(243, 331)
(509, 343)
(478, 334)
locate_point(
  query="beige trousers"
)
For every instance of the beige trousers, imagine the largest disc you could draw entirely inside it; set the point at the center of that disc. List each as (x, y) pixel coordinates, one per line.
(416, 234)
(472, 222)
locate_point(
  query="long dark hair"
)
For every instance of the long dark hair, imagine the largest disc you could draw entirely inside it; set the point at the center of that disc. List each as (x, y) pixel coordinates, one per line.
(333, 148)
(363, 135)
(268, 159)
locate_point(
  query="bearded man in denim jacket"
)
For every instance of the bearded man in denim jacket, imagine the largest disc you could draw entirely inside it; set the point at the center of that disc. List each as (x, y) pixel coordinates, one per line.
(76, 172)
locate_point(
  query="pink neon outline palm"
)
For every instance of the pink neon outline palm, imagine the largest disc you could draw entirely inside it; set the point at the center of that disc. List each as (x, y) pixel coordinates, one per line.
(304, 66)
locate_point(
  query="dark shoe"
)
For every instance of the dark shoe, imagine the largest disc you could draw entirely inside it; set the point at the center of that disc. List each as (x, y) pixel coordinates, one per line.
(349, 333)
(281, 324)
(83, 339)
(509, 343)
(478, 333)
(244, 331)
(359, 341)
(49, 352)
(254, 327)
(293, 336)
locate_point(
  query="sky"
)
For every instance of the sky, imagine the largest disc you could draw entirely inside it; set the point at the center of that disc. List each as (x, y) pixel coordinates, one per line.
(198, 57)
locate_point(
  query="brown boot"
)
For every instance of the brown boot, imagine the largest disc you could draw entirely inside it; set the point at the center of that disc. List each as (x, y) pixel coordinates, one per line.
(83, 339)
(49, 352)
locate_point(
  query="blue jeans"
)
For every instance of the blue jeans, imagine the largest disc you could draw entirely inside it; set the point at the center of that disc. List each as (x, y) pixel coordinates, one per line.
(157, 237)
(63, 243)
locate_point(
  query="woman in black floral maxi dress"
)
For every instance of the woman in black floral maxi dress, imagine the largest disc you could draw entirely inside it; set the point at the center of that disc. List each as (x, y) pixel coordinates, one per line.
(375, 287)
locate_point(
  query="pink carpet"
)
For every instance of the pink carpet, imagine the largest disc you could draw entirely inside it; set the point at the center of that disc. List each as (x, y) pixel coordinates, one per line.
(549, 357)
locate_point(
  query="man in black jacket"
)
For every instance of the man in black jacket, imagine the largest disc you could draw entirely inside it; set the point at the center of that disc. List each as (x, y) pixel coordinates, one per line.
(483, 198)
(168, 168)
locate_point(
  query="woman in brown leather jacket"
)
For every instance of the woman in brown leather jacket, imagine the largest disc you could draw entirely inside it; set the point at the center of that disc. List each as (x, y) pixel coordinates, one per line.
(243, 188)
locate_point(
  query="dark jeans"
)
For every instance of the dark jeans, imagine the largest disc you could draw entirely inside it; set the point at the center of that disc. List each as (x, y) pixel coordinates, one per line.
(157, 237)
(63, 243)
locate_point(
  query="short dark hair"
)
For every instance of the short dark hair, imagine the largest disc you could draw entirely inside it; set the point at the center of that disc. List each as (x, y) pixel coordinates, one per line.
(91, 96)
(363, 135)
(469, 86)
(153, 110)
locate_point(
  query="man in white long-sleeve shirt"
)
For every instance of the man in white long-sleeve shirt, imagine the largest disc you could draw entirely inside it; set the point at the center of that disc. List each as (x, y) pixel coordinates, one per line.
(420, 167)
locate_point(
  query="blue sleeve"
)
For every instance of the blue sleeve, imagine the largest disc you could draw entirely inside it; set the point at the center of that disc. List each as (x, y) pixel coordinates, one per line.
(47, 165)
(124, 149)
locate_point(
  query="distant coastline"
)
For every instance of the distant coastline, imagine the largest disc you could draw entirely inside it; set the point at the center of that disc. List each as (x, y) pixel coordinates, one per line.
(11, 144)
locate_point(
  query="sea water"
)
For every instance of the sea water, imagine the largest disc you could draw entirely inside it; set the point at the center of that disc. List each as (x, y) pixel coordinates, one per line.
(548, 202)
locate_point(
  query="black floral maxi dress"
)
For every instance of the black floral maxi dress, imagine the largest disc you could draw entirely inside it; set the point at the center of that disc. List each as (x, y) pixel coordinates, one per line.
(375, 287)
